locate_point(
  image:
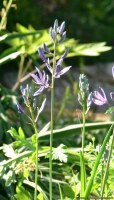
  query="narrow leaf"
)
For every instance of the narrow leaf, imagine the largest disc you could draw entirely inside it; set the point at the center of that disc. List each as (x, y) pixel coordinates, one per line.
(90, 183)
(83, 175)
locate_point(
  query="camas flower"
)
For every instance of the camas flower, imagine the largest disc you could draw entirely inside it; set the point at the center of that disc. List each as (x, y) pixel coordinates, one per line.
(99, 98)
(41, 80)
(58, 71)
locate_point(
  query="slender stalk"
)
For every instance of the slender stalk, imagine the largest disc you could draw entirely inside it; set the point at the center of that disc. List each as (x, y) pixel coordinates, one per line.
(4, 18)
(82, 164)
(107, 167)
(36, 133)
(83, 130)
(21, 65)
(52, 122)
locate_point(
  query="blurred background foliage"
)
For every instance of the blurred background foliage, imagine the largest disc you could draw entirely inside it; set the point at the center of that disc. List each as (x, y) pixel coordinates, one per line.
(87, 21)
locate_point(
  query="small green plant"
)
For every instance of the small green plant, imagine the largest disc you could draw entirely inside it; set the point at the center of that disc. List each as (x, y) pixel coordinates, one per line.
(40, 167)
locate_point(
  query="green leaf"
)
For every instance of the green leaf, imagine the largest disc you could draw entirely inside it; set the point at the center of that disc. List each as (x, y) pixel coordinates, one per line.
(83, 175)
(40, 197)
(38, 188)
(10, 57)
(14, 133)
(22, 193)
(21, 134)
(73, 130)
(110, 110)
(68, 191)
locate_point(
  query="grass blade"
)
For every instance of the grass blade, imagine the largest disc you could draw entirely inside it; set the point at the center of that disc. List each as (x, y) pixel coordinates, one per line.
(73, 130)
(107, 166)
(83, 175)
(90, 183)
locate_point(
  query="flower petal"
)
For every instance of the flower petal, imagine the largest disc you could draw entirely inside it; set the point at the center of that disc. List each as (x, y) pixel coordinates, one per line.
(63, 71)
(46, 49)
(103, 93)
(98, 102)
(59, 62)
(63, 37)
(113, 72)
(20, 108)
(49, 66)
(62, 27)
(39, 91)
(37, 80)
(97, 95)
(42, 106)
(39, 73)
(41, 54)
(65, 53)
(90, 99)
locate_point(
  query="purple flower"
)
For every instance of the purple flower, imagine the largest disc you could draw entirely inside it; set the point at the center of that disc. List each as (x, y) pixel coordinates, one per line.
(52, 33)
(46, 50)
(42, 80)
(99, 98)
(58, 72)
(63, 37)
(41, 54)
(89, 101)
(65, 53)
(55, 27)
(20, 108)
(113, 72)
(62, 27)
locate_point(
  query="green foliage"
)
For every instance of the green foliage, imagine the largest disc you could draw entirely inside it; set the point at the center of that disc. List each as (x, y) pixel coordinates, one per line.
(27, 40)
(22, 193)
(19, 158)
(71, 168)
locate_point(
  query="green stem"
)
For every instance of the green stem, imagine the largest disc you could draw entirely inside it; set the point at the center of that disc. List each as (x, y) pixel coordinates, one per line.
(82, 164)
(107, 167)
(52, 122)
(36, 133)
(83, 130)
(3, 20)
